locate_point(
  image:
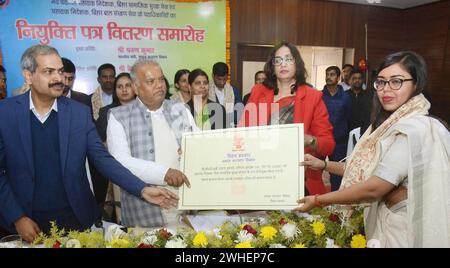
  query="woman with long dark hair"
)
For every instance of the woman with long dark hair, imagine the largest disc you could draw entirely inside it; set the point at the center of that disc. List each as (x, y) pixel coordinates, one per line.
(182, 87)
(286, 87)
(401, 164)
(207, 114)
(122, 94)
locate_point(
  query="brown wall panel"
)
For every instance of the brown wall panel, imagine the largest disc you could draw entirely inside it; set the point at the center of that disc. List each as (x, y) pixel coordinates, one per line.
(385, 34)
(307, 22)
(427, 32)
(424, 29)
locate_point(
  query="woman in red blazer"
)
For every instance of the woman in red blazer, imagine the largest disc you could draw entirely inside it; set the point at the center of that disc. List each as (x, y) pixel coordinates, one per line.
(285, 98)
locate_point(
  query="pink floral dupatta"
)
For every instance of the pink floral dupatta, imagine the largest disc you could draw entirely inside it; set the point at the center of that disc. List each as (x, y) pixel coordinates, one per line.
(366, 155)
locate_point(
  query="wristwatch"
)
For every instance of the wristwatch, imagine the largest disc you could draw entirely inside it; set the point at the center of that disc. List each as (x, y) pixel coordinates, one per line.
(312, 143)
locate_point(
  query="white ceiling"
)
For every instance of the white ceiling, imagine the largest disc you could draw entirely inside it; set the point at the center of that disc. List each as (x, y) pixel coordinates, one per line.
(402, 4)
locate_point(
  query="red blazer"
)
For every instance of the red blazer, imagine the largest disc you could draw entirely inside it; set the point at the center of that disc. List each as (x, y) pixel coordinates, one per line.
(310, 110)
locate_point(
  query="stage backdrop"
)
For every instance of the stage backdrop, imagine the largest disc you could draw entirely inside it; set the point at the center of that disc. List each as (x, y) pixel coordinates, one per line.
(92, 32)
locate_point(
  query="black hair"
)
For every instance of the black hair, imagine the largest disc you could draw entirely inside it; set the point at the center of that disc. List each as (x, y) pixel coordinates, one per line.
(68, 65)
(356, 71)
(104, 67)
(2, 69)
(258, 72)
(195, 73)
(220, 69)
(347, 65)
(178, 76)
(300, 70)
(335, 68)
(166, 82)
(115, 98)
(411, 62)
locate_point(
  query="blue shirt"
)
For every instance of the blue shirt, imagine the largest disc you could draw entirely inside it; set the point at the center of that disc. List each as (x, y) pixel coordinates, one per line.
(339, 110)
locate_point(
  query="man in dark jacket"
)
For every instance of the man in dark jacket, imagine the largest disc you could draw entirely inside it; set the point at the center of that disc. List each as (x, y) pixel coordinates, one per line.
(69, 79)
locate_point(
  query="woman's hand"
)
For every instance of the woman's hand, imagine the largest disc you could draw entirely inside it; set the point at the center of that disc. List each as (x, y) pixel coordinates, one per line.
(308, 204)
(313, 162)
(310, 141)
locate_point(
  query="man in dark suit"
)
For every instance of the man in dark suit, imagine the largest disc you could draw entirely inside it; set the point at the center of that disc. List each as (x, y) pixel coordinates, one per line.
(99, 182)
(69, 79)
(44, 142)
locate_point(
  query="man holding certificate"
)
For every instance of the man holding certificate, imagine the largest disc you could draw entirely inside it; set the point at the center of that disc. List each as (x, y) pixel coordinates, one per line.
(145, 137)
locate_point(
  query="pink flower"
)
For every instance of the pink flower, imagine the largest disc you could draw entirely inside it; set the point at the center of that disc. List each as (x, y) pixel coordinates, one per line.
(57, 244)
(333, 217)
(249, 229)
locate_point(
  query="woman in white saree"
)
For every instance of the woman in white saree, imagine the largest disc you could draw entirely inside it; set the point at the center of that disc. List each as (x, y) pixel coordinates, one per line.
(401, 164)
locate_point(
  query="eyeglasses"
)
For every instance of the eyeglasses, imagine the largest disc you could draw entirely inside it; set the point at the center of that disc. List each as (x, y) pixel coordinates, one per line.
(394, 83)
(279, 60)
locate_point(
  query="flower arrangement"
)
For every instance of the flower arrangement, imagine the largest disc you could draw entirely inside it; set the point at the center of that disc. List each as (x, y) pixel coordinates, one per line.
(323, 228)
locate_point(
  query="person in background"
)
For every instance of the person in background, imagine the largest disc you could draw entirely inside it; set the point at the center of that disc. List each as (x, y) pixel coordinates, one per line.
(286, 86)
(167, 86)
(361, 109)
(401, 164)
(339, 108)
(361, 102)
(227, 95)
(44, 142)
(2, 83)
(123, 94)
(69, 80)
(69, 74)
(207, 114)
(145, 136)
(260, 76)
(102, 96)
(183, 91)
(345, 80)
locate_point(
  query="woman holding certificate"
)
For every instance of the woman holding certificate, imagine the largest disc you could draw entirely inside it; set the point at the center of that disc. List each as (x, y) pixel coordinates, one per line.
(286, 98)
(401, 164)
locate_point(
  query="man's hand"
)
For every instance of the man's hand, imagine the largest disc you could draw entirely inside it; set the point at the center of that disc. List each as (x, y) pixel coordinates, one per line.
(160, 196)
(27, 229)
(176, 178)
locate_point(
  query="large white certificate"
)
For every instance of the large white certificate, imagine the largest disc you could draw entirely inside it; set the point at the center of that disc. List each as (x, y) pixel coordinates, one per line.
(243, 168)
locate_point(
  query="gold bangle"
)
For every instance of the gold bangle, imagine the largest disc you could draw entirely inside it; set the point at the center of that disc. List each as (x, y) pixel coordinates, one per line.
(317, 203)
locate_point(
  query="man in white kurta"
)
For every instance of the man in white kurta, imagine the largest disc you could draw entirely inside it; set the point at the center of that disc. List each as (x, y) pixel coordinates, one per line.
(145, 137)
